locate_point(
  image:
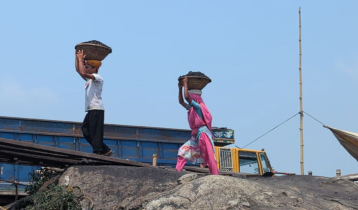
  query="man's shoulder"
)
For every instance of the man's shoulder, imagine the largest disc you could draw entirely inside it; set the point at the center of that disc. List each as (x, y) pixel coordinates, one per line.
(98, 77)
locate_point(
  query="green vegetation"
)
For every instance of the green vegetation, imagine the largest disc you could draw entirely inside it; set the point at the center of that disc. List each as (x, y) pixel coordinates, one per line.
(53, 198)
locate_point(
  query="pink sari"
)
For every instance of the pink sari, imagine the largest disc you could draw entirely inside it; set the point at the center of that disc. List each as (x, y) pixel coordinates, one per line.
(199, 149)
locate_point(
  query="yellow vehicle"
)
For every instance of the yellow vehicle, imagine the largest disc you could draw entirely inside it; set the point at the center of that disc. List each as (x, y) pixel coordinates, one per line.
(242, 160)
(236, 159)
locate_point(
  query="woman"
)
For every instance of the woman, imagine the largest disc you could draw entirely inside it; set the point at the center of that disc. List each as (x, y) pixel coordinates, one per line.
(200, 148)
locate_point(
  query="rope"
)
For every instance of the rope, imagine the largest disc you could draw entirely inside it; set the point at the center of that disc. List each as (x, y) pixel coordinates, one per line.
(268, 131)
(313, 118)
(82, 195)
(261, 136)
(91, 206)
(229, 156)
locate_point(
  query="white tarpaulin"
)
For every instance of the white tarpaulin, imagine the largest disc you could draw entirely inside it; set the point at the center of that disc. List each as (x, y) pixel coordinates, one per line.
(348, 140)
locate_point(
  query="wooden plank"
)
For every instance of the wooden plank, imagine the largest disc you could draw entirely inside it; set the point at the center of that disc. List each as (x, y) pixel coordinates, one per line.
(351, 177)
(21, 149)
(10, 159)
(21, 155)
(225, 173)
(197, 169)
(202, 170)
(245, 175)
(13, 182)
(34, 148)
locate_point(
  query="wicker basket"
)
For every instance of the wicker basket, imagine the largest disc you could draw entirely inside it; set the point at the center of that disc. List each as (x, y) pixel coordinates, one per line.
(94, 51)
(196, 82)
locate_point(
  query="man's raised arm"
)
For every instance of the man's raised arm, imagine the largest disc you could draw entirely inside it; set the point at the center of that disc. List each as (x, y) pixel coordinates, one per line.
(77, 65)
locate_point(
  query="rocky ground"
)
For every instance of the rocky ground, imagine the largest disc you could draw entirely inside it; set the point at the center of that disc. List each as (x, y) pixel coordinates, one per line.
(134, 188)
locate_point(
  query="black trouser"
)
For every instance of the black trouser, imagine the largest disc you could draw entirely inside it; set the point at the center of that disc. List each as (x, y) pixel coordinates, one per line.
(92, 129)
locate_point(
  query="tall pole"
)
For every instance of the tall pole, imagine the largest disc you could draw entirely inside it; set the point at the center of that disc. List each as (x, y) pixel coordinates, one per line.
(301, 107)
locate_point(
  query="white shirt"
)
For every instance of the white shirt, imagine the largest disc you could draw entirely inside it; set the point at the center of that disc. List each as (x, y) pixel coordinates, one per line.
(93, 90)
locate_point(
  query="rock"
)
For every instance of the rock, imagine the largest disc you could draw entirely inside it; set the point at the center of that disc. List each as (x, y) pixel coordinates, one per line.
(186, 178)
(246, 204)
(135, 188)
(220, 192)
(209, 192)
(113, 186)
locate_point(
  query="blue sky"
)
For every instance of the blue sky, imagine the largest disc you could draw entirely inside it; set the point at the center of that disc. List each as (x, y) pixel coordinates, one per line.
(248, 48)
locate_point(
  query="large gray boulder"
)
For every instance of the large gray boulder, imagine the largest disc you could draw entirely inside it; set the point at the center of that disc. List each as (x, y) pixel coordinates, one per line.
(295, 192)
(133, 188)
(119, 187)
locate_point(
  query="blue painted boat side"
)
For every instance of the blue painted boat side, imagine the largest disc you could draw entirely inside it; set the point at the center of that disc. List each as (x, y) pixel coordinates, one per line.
(137, 143)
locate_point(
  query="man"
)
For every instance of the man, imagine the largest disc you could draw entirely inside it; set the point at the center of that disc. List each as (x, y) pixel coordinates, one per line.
(93, 124)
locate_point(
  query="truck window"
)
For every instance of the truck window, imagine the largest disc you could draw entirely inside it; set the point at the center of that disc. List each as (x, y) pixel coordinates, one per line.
(248, 163)
(264, 163)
